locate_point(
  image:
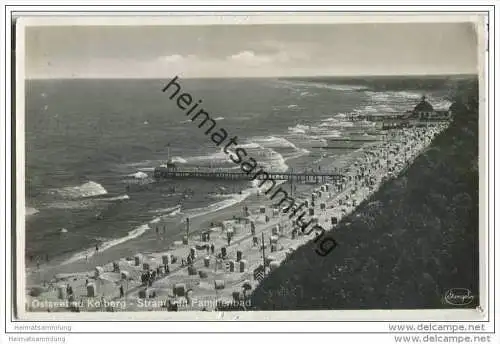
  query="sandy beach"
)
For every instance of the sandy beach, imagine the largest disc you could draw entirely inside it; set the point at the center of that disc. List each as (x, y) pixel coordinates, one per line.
(213, 273)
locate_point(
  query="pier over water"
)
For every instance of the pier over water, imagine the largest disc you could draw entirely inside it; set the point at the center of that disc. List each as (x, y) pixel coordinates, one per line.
(163, 172)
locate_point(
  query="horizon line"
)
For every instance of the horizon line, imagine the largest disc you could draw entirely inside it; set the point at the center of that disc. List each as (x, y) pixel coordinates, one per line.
(258, 77)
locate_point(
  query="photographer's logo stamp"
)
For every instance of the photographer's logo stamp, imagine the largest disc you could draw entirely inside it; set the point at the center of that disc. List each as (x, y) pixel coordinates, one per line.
(458, 297)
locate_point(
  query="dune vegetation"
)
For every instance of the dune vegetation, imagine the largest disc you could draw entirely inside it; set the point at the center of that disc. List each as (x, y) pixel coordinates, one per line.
(406, 245)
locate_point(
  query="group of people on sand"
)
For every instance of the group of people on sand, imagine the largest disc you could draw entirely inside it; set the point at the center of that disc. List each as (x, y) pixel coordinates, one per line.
(149, 276)
(38, 259)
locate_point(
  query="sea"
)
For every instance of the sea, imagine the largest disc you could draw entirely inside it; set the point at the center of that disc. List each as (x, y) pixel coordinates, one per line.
(92, 146)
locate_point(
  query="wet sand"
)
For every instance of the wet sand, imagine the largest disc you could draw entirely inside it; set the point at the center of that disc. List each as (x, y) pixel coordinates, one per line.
(331, 203)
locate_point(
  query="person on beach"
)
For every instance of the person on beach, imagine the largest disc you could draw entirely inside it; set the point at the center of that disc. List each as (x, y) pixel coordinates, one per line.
(122, 293)
(212, 248)
(96, 248)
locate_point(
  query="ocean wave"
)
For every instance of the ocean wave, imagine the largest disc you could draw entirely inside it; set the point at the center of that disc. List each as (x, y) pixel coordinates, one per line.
(31, 211)
(323, 130)
(312, 84)
(333, 122)
(251, 145)
(272, 160)
(220, 196)
(391, 102)
(84, 203)
(166, 210)
(261, 148)
(276, 162)
(273, 142)
(108, 244)
(307, 94)
(138, 175)
(295, 130)
(219, 118)
(388, 95)
(116, 198)
(218, 159)
(299, 129)
(232, 200)
(440, 104)
(382, 109)
(89, 189)
(72, 204)
(179, 160)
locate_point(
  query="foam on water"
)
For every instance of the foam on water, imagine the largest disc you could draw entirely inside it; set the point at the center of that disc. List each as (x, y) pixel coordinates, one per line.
(217, 159)
(333, 122)
(84, 203)
(308, 84)
(232, 200)
(108, 244)
(88, 189)
(391, 95)
(166, 210)
(321, 131)
(273, 142)
(31, 211)
(138, 175)
(179, 160)
(251, 145)
(72, 204)
(116, 198)
(298, 129)
(391, 102)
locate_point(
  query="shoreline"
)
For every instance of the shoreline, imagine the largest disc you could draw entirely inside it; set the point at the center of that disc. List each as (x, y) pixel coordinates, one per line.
(151, 248)
(148, 242)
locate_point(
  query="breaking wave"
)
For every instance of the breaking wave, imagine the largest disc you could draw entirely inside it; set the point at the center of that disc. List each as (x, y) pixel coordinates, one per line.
(117, 198)
(108, 244)
(232, 200)
(311, 84)
(138, 175)
(31, 211)
(179, 160)
(88, 189)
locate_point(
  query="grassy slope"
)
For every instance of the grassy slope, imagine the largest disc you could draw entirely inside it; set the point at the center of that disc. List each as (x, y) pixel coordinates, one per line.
(404, 247)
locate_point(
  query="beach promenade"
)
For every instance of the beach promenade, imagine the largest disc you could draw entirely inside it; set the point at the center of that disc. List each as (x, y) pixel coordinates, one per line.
(206, 269)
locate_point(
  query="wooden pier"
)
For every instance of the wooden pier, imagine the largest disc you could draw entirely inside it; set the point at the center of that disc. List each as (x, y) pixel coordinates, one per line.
(196, 173)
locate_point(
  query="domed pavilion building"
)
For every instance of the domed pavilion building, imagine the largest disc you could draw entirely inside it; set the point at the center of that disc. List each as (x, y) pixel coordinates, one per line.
(424, 111)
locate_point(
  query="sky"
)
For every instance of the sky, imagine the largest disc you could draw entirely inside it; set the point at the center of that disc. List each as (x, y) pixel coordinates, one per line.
(250, 50)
